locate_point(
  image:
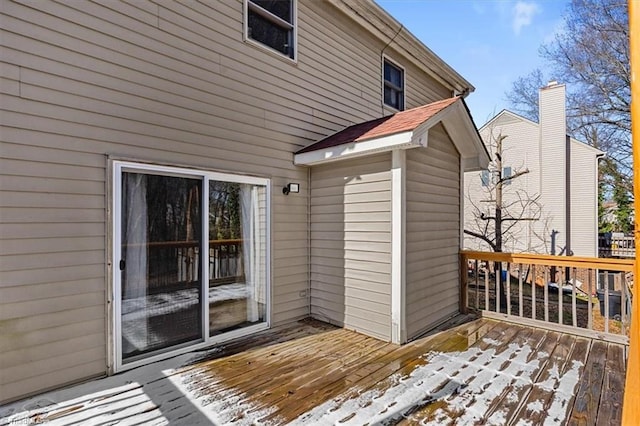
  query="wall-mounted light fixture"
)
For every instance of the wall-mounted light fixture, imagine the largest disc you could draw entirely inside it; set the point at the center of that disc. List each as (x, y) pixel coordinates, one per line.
(291, 187)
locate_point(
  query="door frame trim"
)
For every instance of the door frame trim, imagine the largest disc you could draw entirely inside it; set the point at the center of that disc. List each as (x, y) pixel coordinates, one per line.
(114, 344)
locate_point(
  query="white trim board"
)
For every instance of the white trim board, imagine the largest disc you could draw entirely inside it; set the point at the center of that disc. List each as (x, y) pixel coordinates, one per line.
(398, 247)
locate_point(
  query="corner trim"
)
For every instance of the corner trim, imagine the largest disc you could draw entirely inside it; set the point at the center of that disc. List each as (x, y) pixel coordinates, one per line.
(398, 247)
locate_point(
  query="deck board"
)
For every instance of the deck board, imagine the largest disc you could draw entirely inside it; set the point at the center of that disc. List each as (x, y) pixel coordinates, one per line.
(610, 408)
(469, 371)
(585, 409)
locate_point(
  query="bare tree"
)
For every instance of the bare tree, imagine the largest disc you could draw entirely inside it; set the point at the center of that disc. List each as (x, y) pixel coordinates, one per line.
(591, 55)
(496, 217)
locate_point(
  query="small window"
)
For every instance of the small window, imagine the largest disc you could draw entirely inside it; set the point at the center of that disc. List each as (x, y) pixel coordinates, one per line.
(271, 23)
(485, 178)
(393, 86)
(506, 174)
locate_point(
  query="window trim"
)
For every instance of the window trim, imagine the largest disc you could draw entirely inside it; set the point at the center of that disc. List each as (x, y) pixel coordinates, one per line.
(114, 344)
(248, 4)
(396, 64)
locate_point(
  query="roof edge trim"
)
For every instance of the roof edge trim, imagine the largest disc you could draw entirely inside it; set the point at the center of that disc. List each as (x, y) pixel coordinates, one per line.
(402, 140)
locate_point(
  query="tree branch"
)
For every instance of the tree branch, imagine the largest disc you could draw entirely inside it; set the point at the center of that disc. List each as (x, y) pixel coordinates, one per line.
(482, 237)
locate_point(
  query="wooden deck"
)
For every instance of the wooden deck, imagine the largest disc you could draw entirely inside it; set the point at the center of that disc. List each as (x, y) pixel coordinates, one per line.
(472, 371)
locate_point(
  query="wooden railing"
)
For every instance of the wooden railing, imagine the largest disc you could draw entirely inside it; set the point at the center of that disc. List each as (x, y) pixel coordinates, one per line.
(613, 246)
(586, 296)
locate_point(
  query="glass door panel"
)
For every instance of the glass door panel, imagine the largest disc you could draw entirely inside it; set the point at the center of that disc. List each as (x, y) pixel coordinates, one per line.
(161, 291)
(237, 255)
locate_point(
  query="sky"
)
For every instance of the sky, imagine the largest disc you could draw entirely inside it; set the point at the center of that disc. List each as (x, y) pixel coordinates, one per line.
(489, 42)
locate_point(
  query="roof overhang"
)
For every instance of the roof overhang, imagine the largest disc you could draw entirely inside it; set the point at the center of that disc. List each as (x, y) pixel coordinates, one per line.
(378, 22)
(455, 119)
(404, 140)
(465, 137)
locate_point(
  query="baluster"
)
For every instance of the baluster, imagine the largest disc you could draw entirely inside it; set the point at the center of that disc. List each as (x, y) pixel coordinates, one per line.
(477, 284)
(590, 310)
(606, 301)
(507, 285)
(573, 296)
(227, 259)
(623, 303)
(520, 278)
(546, 295)
(533, 292)
(196, 270)
(559, 282)
(498, 280)
(486, 288)
(211, 262)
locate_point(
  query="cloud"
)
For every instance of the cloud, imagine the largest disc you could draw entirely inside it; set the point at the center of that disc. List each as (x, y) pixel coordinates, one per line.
(523, 13)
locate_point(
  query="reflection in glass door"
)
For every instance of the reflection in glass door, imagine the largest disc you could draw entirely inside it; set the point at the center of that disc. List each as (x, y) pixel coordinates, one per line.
(161, 227)
(237, 255)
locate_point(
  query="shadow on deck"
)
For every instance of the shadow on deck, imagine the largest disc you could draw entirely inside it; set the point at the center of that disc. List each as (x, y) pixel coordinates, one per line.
(468, 371)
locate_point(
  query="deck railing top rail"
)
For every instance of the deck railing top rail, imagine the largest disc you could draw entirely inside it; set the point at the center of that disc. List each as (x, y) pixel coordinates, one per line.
(623, 265)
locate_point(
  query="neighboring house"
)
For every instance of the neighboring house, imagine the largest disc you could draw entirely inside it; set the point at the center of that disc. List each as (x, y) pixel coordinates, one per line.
(559, 190)
(146, 145)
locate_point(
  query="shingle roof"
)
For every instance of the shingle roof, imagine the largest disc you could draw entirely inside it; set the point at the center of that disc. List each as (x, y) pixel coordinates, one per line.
(403, 121)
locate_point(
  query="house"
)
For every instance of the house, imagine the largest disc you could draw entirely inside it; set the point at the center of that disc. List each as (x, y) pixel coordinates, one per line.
(175, 175)
(549, 183)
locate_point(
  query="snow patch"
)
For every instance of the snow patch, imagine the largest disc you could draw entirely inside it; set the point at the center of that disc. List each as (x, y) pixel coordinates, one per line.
(468, 382)
(160, 393)
(490, 341)
(535, 407)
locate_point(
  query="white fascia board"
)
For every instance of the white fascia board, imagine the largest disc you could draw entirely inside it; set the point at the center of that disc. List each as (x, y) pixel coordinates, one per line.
(465, 138)
(473, 164)
(402, 140)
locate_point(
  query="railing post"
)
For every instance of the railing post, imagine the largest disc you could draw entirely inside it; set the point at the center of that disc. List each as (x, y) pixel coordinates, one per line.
(464, 284)
(631, 404)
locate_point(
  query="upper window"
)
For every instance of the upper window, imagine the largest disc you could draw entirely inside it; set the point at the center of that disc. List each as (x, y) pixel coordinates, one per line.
(272, 23)
(485, 178)
(393, 85)
(506, 175)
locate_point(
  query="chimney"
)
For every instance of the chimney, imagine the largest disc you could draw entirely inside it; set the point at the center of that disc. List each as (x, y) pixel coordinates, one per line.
(554, 162)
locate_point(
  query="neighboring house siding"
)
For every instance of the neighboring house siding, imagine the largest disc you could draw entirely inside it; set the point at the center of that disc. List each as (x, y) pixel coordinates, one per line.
(433, 232)
(520, 151)
(351, 244)
(168, 83)
(584, 200)
(553, 161)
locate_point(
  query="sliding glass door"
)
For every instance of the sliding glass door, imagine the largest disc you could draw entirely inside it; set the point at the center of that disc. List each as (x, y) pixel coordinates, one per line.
(163, 301)
(237, 255)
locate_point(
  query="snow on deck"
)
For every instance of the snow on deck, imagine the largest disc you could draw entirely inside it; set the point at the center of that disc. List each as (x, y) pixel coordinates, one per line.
(313, 374)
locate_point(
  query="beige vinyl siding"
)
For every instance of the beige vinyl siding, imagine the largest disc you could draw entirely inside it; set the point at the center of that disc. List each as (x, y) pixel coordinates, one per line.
(351, 244)
(433, 232)
(168, 83)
